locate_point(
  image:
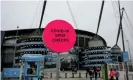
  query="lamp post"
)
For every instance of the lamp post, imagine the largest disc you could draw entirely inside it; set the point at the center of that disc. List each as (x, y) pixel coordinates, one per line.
(129, 53)
(15, 46)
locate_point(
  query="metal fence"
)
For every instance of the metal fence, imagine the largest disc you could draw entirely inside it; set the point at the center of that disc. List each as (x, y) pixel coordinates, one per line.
(121, 66)
(69, 75)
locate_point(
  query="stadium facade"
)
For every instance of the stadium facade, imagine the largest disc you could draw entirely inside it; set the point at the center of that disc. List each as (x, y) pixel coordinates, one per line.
(88, 51)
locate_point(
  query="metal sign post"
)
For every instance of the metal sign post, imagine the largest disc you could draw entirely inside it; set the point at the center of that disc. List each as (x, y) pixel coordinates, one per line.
(57, 67)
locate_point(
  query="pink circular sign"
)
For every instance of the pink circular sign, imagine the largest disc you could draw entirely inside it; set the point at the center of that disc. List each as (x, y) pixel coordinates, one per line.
(59, 36)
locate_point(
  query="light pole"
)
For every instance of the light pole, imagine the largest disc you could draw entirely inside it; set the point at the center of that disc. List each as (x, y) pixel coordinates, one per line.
(15, 46)
(129, 50)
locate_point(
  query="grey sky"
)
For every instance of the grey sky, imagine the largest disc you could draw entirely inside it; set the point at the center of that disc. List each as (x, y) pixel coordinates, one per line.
(26, 14)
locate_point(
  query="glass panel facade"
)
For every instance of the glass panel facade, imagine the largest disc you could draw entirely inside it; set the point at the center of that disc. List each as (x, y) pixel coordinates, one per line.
(81, 41)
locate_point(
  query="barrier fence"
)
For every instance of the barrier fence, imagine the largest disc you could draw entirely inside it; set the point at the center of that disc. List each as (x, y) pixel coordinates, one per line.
(69, 75)
(121, 66)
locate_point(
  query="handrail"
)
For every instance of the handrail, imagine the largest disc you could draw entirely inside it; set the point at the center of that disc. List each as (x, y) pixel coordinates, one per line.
(24, 43)
(48, 63)
(96, 60)
(98, 51)
(91, 65)
(28, 43)
(33, 49)
(98, 55)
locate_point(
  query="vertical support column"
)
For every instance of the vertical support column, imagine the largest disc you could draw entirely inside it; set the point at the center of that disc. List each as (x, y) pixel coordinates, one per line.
(50, 75)
(86, 75)
(123, 66)
(106, 71)
(78, 39)
(72, 75)
(65, 75)
(119, 66)
(79, 75)
(128, 65)
(84, 42)
(78, 47)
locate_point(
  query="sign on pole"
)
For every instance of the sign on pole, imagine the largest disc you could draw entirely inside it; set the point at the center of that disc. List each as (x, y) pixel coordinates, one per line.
(59, 36)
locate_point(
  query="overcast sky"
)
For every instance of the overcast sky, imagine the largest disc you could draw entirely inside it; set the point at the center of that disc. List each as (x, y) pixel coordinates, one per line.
(26, 14)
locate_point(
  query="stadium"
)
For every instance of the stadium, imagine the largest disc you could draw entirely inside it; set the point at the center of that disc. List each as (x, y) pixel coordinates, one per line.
(15, 43)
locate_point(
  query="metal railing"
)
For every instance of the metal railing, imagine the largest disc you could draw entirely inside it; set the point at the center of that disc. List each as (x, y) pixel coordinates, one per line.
(28, 43)
(121, 66)
(69, 75)
(31, 49)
